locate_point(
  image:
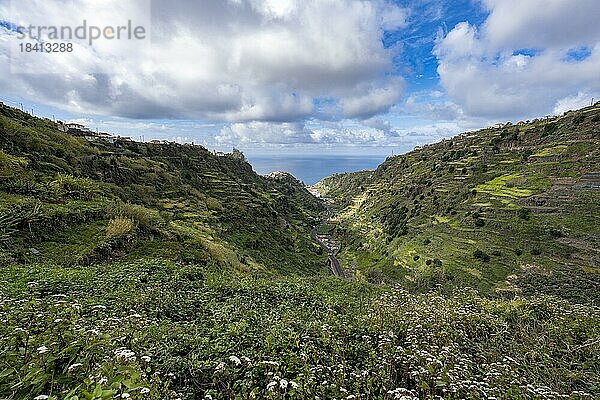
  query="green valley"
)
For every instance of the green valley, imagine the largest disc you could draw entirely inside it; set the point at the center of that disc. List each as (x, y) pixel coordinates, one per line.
(165, 271)
(508, 211)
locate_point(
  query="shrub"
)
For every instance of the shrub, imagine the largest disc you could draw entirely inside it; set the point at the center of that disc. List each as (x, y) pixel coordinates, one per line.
(524, 213)
(144, 218)
(479, 222)
(8, 227)
(68, 186)
(10, 164)
(518, 252)
(426, 242)
(375, 275)
(579, 119)
(555, 233)
(481, 255)
(535, 252)
(213, 204)
(416, 258)
(119, 228)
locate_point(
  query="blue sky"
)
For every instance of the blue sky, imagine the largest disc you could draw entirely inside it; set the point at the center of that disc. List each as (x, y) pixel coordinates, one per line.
(266, 76)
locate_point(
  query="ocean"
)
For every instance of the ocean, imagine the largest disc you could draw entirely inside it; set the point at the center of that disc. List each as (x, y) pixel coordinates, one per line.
(311, 169)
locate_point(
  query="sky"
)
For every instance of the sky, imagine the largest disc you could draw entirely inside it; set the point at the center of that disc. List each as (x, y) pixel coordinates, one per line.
(309, 76)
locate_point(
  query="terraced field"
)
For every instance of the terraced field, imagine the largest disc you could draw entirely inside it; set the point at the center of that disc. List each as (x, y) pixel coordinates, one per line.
(71, 202)
(506, 211)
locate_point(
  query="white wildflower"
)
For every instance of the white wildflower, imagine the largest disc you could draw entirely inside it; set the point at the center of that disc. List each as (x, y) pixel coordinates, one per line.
(275, 363)
(41, 397)
(125, 396)
(294, 385)
(124, 353)
(42, 349)
(271, 386)
(73, 366)
(145, 391)
(283, 383)
(235, 360)
(145, 358)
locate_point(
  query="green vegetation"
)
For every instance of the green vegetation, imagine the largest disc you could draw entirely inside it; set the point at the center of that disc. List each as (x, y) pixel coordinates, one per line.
(487, 204)
(75, 202)
(144, 271)
(157, 330)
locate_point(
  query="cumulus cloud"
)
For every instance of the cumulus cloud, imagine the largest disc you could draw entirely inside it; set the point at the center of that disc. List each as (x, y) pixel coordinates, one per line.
(581, 99)
(371, 132)
(223, 60)
(518, 63)
(258, 132)
(541, 23)
(373, 100)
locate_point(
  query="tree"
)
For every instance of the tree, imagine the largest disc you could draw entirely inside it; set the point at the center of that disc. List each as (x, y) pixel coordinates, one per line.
(480, 255)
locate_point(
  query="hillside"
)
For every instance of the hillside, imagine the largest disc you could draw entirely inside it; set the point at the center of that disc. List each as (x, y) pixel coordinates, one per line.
(67, 201)
(507, 211)
(140, 271)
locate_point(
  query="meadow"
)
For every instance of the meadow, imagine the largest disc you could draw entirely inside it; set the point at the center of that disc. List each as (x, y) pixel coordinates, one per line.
(161, 330)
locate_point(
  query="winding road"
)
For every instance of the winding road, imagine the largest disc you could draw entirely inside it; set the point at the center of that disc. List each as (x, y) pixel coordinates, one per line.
(332, 252)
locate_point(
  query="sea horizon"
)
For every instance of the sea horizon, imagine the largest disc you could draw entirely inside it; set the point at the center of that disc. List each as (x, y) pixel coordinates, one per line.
(311, 169)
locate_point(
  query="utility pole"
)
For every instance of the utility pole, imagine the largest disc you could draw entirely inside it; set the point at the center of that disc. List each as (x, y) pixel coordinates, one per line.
(22, 107)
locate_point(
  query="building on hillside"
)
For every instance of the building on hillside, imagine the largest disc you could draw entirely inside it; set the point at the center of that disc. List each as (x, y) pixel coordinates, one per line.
(106, 136)
(76, 126)
(219, 153)
(75, 129)
(155, 141)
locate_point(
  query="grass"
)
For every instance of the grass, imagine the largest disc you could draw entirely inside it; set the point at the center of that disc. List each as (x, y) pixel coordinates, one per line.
(496, 191)
(500, 186)
(551, 151)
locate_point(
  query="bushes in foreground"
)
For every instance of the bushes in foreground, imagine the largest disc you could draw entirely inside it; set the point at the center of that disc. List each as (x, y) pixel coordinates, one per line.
(159, 330)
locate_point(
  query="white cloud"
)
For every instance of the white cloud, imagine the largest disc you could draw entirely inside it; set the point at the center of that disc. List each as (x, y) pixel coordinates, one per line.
(224, 60)
(541, 23)
(490, 73)
(581, 99)
(373, 100)
(257, 132)
(346, 132)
